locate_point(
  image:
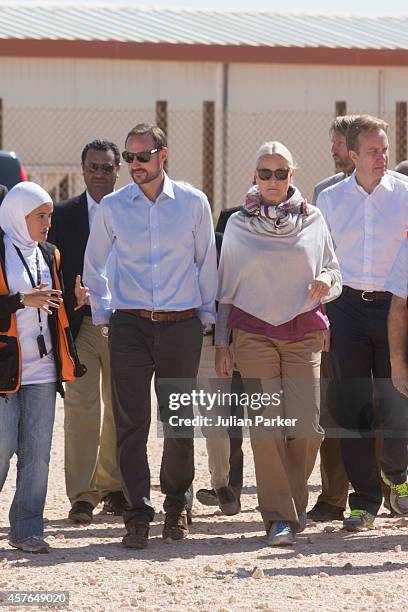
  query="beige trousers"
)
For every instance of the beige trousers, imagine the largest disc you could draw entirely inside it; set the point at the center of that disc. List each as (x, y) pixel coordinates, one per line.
(283, 461)
(90, 452)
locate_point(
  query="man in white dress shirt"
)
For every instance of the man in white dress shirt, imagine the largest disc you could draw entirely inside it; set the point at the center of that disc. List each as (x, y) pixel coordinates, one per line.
(367, 215)
(162, 278)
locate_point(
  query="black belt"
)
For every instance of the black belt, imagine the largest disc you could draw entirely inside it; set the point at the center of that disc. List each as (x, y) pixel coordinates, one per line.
(368, 296)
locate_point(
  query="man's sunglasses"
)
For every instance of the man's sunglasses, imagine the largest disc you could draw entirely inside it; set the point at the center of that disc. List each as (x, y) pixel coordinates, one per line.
(105, 168)
(143, 156)
(265, 174)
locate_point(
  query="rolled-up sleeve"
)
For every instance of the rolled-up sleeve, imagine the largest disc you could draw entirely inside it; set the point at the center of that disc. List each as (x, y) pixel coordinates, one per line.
(206, 263)
(331, 265)
(96, 255)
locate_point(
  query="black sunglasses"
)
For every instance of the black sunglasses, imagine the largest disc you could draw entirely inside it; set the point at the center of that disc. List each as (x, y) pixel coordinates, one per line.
(105, 168)
(265, 174)
(143, 156)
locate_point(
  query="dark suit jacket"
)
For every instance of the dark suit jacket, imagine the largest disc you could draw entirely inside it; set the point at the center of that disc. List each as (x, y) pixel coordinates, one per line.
(223, 218)
(69, 232)
(3, 191)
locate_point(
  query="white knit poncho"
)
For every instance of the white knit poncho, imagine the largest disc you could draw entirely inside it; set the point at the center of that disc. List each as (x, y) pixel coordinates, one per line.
(266, 268)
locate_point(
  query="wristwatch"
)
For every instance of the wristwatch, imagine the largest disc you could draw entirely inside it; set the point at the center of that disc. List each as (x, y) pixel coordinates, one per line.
(21, 298)
(105, 331)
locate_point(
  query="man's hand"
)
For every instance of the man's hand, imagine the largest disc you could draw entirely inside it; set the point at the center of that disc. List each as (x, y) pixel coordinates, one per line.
(320, 286)
(81, 294)
(223, 362)
(44, 299)
(399, 375)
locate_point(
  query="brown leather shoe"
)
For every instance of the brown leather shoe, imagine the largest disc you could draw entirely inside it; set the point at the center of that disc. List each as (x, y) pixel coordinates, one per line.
(137, 536)
(175, 525)
(114, 503)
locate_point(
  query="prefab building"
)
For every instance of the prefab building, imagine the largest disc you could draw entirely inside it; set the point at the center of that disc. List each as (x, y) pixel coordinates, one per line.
(219, 82)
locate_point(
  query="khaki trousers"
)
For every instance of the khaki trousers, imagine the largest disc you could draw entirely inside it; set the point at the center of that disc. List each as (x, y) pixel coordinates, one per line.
(217, 442)
(283, 463)
(90, 453)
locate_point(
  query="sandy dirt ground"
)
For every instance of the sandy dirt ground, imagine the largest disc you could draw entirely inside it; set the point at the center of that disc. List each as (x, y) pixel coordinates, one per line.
(225, 564)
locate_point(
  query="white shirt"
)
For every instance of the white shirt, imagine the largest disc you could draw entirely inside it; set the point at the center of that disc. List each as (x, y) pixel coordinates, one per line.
(92, 208)
(367, 228)
(34, 368)
(397, 280)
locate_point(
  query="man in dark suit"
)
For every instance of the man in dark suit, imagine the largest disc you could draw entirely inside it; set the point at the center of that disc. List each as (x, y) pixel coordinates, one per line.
(91, 472)
(208, 497)
(3, 191)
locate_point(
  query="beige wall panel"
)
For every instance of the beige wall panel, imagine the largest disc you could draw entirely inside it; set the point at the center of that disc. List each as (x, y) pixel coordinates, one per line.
(262, 88)
(67, 83)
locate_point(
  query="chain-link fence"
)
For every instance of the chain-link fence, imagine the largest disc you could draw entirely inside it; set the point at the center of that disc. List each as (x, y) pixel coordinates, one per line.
(212, 150)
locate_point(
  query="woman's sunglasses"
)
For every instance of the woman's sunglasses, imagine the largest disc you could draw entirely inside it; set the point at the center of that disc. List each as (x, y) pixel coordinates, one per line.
(143, 156)
(265, 174)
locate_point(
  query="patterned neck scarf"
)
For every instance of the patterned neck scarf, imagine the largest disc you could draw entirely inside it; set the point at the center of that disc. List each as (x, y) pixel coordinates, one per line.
(284, 219)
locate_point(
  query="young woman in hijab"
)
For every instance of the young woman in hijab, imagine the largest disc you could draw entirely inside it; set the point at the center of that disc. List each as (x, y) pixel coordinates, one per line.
(277, 267)
(36, 354)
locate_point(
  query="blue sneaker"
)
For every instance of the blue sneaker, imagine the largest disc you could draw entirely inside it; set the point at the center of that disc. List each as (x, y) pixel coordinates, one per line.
(280, 534)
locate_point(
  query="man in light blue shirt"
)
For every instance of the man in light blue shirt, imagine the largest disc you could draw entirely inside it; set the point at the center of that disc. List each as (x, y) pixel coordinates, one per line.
(162, 278)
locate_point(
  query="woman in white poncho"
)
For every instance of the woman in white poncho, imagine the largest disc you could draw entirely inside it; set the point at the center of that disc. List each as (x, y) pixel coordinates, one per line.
(277, 268)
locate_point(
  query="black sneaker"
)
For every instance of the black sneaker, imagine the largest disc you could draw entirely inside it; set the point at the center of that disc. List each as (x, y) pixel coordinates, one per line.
(114, 503)
(322, 512)
(137, 536)
(175, 526)
(34, 544)
(81, 513)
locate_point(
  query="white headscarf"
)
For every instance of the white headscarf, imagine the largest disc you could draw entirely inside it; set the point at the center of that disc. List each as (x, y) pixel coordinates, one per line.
(18, 203)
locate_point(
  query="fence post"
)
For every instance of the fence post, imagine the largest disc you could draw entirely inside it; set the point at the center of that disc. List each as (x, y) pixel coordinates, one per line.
(208, 150)
(341, 108)
(400, 132)
(161, 120)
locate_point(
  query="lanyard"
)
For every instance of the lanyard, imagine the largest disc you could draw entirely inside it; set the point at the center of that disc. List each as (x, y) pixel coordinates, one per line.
(30, 276)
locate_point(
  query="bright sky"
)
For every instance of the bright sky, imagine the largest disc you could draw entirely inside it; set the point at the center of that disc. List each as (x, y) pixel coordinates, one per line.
(365, 7)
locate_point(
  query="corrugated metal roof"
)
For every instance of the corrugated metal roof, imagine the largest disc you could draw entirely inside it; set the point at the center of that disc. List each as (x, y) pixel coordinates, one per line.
(208, 27)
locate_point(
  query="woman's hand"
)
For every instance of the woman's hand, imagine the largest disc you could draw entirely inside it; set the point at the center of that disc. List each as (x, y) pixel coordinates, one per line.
(320, 286)
(81, 294)
(223, 362)
(44, 299)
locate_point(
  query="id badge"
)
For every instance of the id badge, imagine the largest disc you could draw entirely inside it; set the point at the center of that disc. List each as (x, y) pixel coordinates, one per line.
(41, 346)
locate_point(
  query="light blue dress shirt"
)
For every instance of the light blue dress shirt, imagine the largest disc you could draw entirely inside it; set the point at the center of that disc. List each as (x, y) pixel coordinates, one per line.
(162, 254)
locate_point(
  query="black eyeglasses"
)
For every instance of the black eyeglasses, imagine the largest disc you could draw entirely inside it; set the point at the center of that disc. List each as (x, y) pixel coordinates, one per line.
(265, 174)
(143, 156)
(105, 168)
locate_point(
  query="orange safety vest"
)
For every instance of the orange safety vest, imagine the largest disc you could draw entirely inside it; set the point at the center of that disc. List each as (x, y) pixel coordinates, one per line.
(65, 354)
